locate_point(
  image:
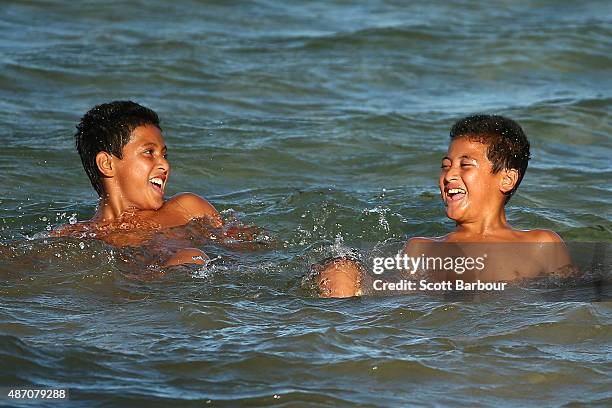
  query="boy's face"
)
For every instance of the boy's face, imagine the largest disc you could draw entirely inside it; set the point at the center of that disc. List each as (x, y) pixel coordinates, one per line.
(469, 188)
(143, 171)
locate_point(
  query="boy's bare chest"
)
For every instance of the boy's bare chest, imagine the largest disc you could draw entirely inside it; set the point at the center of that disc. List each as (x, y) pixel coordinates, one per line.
(487, 261)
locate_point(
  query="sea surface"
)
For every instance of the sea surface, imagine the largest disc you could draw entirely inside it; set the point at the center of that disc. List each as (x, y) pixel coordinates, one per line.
(324, 123)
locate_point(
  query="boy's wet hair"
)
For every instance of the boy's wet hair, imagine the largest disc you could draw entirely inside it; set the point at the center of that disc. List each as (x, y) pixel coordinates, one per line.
(507, 144)
(324, 263)
(107, 127)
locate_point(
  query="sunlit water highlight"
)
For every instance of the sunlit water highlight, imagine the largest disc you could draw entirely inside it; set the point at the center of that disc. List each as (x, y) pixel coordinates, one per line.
(324, 123)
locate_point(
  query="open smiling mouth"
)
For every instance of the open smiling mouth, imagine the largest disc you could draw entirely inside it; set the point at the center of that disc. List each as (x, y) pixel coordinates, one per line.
(157, 183)
(455, 194)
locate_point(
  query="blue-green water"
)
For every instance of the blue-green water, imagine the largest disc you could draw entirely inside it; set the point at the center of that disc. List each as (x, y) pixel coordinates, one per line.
(323, 122)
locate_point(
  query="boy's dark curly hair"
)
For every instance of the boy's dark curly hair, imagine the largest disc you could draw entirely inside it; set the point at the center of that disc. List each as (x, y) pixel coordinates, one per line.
(508, 147)
(107, 127)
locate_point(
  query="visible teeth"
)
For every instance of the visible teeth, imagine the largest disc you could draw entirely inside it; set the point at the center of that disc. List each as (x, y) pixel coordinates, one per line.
(456, 191)
(157, 181)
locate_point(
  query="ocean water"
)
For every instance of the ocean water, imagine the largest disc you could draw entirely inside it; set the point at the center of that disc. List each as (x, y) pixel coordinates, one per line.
(323, 123)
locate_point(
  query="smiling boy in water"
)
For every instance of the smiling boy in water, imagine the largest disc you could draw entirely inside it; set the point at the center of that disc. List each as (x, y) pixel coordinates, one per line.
(485, 163)
(483, 167)
(125, 156)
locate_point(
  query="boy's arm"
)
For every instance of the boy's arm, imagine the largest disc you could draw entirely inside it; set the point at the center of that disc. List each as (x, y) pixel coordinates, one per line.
(557, 257)
(235, 236)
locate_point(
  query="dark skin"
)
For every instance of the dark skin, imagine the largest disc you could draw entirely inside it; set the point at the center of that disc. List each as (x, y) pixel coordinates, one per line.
(474, 198)
(133, 206)
(340, 278)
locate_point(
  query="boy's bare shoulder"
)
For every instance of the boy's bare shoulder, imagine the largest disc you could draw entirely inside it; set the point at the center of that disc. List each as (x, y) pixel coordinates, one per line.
(421, 240)
(536, 236)
(415, 243)
(193, 206)
(539, 235)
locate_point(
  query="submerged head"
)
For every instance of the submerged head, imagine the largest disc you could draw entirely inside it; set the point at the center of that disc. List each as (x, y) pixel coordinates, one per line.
(339, 277)
(485, 163)
(124, 153)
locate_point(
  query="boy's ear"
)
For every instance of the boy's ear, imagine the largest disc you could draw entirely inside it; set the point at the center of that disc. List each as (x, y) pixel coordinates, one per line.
(104, 160)
(508, 180)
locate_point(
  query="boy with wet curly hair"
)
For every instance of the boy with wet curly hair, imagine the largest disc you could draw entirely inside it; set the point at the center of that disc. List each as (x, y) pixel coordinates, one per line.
(485, 163)
(125, 157)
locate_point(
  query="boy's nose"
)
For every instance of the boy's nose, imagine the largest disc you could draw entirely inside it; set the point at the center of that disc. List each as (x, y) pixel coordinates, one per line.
(450, 175)
(163, 164)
